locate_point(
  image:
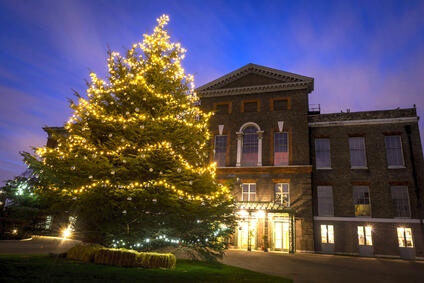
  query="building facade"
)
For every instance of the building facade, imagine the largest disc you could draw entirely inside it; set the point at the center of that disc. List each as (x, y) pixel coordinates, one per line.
(347, 183)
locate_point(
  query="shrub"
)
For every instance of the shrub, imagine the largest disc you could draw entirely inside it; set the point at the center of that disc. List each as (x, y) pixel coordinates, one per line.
(84, 252)
(131, 258)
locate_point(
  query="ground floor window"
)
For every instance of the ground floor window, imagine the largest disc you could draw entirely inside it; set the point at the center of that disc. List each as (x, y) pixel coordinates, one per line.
(327, 234)
(405, 237)
(365, 235)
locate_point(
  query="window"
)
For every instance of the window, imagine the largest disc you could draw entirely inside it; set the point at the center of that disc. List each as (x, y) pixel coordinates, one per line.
(365, 235)
(281, 149)
(250, 106)
(358, 156)
(220, 150)
(48, 223)
(327, 234)
(325, 201)
(280, 104)
(400, 200)
(394, 152)
(222, 108)
(282, 194)
(322, 153)
(250, 147)
(248, 192)
(405, 237)
(361, 200)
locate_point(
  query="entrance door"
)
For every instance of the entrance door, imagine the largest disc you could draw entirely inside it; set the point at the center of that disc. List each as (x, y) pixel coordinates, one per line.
(244, 231)
(281, 236)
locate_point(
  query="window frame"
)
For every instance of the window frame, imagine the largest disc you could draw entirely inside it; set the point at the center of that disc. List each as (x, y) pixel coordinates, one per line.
(226, 148)
(392, 188)
(364, 153)
(329, 237)
(272, 100)
(249, 191)
(242, 160)
(229, 103)
(274, 148)
(366, 232)
(332, 200)
(282, 193)
(403, 237)
(258, 105)
(329, 153)
(401, 152)
(369, 200)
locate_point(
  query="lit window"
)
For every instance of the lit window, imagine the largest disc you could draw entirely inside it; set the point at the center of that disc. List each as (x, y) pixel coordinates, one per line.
(281, 149)
(248, 192)
(282, 194)
(365, 235)
(220, 150)
(361, 200)
(325, 201)
(358, 156)
(322, 153)
(405, 237)
(327, 234)
(250, 147)
(400, 200)
(394, 152)
(48, 223)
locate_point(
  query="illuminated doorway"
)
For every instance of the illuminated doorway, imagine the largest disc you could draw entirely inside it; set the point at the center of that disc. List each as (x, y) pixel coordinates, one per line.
(281, 236)
(246, 230)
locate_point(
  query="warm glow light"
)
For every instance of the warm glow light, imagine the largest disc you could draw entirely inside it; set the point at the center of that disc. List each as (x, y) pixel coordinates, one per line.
(15, 231)
(243, 213)
(66, 233)
(260, 214)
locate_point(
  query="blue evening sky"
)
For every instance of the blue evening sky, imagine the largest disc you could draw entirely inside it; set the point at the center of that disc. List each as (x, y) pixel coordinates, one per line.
(364, 55)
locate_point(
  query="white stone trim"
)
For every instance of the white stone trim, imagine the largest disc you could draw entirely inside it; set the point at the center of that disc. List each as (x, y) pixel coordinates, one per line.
(367, 219)
(363, 122)
(245, 125)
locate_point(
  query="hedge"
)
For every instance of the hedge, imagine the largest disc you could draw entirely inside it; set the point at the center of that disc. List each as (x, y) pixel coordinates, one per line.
(121, 257)
(83, 252)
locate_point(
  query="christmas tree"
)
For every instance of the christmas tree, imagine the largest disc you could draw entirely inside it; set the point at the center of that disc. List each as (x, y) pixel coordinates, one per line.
(133, 165)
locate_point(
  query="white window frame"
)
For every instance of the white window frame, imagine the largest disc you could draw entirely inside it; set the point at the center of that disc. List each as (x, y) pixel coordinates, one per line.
(249, 191)
(407, 199)
(364, 152)
(329, 153)
(403, 238)
(366, 233)
(325, 234)
(281, 191)
(321, 189)
(401, 152)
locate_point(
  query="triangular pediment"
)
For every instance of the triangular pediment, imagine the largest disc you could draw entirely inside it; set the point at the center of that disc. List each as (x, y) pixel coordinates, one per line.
(255, 76)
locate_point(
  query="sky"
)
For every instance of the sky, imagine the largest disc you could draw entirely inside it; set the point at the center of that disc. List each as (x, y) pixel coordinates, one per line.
(364, 55)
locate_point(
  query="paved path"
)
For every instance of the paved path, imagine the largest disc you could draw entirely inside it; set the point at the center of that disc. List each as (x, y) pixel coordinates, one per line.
(328, 268)
(37, 245)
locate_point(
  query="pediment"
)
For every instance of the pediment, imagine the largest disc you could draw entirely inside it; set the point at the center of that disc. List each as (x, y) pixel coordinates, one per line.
(252, 77)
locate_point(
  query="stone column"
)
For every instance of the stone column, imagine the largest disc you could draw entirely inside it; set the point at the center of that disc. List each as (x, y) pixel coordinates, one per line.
(260, 136)
(239, 147)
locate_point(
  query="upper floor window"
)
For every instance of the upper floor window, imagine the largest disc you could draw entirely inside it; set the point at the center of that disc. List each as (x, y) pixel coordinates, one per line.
(400, 200)
(281, 149)
(358, 158)
(282, 194)
(279, 104)
(248, 192)
(322, 153)
(250, 106)
(394, 152)
(405, 237)
(223, 108)
(250, 147)
(361, 200)
(220, 150)
(325, 200)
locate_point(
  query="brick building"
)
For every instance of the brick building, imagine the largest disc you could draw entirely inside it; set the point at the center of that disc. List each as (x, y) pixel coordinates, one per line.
(348, 183)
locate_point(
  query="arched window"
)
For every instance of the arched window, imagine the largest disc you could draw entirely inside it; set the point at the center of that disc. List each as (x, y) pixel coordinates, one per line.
(250, 146)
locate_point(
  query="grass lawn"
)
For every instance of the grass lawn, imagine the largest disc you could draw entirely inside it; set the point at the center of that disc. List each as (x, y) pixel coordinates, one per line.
(44, 268)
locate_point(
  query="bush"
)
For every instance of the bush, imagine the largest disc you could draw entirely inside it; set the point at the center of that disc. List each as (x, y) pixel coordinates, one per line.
(131, 258)
(84, 252)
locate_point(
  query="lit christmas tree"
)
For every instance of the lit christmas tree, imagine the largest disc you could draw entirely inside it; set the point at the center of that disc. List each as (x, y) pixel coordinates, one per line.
(133, 167)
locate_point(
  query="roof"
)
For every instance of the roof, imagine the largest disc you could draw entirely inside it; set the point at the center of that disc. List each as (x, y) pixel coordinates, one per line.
(275, 80)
